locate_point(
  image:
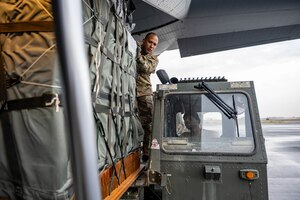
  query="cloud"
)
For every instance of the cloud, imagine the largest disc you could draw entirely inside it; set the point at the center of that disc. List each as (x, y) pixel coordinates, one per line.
(274, 68)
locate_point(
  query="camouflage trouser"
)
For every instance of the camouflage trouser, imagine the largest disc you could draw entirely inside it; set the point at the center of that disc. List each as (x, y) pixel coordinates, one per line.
(145, 107)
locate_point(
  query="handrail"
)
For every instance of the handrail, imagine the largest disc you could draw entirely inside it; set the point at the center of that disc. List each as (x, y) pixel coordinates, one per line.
(76, 93)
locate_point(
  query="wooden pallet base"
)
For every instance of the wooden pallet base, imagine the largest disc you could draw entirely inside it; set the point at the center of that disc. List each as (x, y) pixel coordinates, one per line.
(111, 188)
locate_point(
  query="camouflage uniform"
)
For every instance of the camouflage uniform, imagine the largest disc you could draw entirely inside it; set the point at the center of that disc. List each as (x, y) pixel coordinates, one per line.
(146, 64)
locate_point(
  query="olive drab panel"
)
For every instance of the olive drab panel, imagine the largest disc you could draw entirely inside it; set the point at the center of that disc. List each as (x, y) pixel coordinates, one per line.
(34, 152)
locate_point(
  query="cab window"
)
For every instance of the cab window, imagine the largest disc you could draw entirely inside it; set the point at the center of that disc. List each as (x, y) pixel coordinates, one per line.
(193, 123)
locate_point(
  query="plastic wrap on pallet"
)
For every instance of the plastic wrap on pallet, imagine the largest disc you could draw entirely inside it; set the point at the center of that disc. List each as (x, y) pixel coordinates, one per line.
(41, 145)
(111, 51)
(29, 58)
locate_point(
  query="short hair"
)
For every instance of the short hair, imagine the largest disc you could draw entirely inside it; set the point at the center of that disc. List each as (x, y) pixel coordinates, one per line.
(150, 33)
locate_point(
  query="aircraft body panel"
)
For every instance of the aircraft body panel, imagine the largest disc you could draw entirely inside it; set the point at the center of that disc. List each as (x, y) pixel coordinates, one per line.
(212, 26)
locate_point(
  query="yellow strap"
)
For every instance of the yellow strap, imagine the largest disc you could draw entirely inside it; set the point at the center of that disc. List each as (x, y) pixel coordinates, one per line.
(38, 26)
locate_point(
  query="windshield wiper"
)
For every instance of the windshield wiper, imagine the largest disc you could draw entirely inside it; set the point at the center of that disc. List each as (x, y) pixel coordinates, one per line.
(231, 113)
(236, 121)
(215, 99)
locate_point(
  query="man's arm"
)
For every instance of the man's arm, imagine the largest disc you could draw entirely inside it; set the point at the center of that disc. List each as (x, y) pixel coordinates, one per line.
(147, 63)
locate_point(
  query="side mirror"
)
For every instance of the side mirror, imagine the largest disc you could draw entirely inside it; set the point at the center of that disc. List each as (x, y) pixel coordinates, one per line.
(164, 77)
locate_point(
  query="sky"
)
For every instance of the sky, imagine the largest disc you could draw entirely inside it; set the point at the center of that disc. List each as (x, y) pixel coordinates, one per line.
(274, 68)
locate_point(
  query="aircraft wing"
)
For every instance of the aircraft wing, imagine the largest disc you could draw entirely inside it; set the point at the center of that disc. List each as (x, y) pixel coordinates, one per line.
(204, 26)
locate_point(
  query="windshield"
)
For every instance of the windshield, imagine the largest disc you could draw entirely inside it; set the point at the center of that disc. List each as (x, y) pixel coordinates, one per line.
(192, 123)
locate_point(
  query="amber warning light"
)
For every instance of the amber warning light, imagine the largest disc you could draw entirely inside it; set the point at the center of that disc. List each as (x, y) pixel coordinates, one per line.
(249, 174)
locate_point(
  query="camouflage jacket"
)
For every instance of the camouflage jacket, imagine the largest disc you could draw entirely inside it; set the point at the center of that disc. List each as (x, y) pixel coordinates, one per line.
(146, 64)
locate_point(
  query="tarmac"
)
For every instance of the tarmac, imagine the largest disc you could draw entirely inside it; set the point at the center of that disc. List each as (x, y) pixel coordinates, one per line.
(283, 151)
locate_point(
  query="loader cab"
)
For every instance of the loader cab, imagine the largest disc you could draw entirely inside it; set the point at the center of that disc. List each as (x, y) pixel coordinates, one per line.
(225, 158)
